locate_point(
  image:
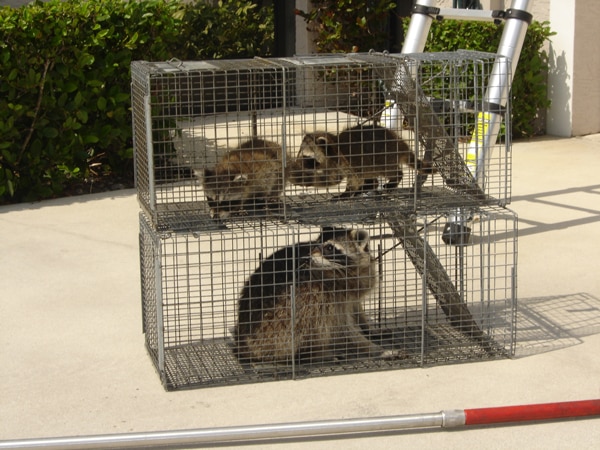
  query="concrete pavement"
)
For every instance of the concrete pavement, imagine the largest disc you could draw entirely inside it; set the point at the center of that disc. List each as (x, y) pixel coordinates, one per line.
(73, 360)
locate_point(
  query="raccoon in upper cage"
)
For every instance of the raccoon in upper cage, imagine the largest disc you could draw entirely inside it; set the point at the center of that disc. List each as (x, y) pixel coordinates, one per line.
(249, 177)
(328, 280)
(361, 154)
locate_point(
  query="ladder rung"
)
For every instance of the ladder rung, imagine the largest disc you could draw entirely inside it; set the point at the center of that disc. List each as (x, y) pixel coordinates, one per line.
(479, 15)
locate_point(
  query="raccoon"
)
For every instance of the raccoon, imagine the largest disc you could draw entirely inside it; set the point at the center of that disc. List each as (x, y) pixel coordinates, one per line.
(361, 154)
(249, 177)
(329, 278)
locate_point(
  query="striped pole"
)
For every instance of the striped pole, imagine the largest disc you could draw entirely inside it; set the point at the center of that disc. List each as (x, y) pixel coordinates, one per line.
(247, 434)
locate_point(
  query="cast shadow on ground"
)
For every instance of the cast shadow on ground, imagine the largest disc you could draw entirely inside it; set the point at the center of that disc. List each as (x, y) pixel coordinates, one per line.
(552, 323)
(67, 201)
(546, 199)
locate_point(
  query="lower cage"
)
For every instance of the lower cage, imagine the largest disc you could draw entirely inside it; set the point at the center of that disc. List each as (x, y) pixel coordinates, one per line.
(257, 301)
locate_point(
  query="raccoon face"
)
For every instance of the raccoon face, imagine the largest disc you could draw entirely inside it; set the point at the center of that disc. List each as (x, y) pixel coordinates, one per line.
(224, 192)
(341, 250)
(316, 162)
(224, 187)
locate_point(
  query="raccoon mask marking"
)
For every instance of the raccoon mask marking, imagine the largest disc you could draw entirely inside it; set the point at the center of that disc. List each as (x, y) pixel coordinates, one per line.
(247, 178)
(317, 163)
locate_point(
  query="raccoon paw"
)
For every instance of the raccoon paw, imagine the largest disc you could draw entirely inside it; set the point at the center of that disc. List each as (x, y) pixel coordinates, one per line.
(390, 355)
(346, 195)
(274, 206)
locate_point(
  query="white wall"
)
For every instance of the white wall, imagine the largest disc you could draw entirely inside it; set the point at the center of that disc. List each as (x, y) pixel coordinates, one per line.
(304, 39)
(562, 18)
(539, 8)
(586, 69)
(573, 82)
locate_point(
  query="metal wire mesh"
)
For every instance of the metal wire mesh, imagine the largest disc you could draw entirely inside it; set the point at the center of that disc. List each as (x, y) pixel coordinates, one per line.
(315, 215)
(372, 132)
(195, 306)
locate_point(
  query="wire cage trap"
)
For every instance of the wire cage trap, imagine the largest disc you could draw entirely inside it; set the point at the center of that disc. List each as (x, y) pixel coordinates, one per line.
(267, 300)
(293, 208)
(292, 138)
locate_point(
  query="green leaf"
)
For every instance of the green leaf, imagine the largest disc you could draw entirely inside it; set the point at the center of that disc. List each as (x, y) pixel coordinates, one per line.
(69, 86)
(86, 60)
(50, 132)
(82, 115)
(130, 44)
(91, 139)
(13, 74)
(78, 99)
(101, 104)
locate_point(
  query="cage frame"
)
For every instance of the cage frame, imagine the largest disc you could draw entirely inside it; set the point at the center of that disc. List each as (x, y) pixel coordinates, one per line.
(486, 334)
(163, 221)
(459, 186)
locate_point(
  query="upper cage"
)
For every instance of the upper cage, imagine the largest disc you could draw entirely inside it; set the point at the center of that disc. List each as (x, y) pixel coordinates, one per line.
(304, 138)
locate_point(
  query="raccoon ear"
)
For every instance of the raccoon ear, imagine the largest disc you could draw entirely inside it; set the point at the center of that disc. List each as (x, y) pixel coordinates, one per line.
(326, 234)
(329, 232)
(361, 237)
(240, 178)
(327, 144)
(321, 141)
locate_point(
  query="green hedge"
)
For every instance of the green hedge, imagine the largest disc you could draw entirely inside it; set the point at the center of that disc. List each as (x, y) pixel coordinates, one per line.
(65, 81)
(349, 25)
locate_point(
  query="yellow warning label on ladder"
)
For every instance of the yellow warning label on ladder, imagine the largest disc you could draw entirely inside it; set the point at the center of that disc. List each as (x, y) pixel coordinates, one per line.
(477, 140)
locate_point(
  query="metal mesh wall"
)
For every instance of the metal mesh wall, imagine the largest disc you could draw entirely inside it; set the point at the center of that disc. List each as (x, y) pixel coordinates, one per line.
(362, 132)
(315, 215)
(459, 306)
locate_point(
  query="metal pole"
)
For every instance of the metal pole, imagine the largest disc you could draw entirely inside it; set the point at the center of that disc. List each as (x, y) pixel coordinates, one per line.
(444, 419)
(245, 433)
(418, 29)
(496, 97)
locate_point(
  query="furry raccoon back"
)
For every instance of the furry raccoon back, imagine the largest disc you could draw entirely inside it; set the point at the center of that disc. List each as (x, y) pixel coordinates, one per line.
(360, 154)
(326, 280)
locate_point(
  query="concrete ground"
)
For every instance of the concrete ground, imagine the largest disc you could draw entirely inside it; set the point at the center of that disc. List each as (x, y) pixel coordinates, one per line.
(73, 361)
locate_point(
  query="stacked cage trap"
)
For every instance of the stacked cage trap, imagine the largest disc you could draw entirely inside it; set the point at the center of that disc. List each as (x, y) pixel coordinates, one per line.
(325, 214)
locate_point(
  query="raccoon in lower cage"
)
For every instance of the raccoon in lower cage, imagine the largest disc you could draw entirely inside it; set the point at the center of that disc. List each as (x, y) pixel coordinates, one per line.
(361, 154)
(328, 278)
(249, 177)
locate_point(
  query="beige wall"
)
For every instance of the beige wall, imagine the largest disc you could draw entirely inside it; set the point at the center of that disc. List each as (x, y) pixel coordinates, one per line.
(539, 8)
(573, 84)
(304, 39)
(585, 83)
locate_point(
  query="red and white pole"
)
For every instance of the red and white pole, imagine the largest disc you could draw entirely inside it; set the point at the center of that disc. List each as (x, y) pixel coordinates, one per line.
(298, 430)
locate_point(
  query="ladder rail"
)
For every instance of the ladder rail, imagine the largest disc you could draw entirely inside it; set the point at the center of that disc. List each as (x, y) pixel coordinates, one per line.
(467, 176)
(517, 19)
